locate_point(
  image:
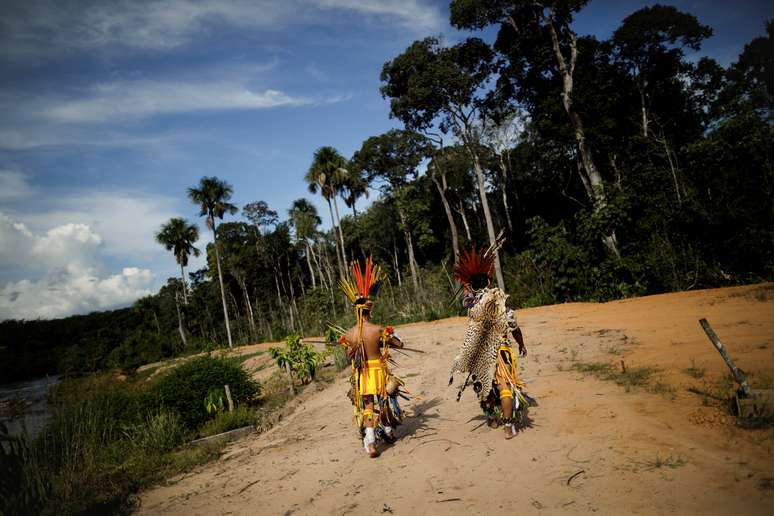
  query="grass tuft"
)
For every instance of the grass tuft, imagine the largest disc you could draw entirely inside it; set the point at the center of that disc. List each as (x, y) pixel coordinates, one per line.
(628, 379)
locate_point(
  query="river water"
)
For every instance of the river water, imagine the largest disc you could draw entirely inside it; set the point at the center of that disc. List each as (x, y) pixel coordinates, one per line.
(25, 404)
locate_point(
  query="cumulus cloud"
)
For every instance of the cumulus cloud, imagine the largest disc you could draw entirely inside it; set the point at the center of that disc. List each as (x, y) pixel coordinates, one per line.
(43, 27)
(73, 272)
(71, 290)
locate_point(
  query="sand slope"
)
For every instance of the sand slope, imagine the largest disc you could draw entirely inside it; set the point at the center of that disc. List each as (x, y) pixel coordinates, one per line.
(639, 452)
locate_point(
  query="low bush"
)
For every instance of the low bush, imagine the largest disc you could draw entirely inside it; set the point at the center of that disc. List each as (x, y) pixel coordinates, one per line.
(184, 388)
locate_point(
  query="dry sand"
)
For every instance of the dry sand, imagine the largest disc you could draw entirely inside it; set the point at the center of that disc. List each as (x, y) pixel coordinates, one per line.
(652, 450)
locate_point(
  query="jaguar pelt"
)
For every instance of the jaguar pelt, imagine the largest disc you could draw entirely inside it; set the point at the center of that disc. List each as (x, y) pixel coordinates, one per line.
(487, 323)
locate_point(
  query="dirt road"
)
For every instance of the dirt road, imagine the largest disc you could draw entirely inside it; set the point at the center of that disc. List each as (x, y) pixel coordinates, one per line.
(591, 447)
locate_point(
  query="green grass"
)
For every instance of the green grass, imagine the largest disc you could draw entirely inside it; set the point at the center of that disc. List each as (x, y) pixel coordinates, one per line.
(667, 462)
(225, 421)
(631, 378)
(664, 389)
(695, 372)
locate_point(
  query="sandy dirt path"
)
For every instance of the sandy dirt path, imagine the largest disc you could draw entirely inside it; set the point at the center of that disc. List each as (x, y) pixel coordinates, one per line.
(636, 452)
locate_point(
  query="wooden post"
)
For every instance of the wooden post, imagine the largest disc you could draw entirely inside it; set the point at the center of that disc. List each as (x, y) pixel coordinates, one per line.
(290, 379)
(741, 378)
(228, 397)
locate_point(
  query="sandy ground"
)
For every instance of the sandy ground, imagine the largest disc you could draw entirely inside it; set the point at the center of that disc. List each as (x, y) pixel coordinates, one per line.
(591, 447)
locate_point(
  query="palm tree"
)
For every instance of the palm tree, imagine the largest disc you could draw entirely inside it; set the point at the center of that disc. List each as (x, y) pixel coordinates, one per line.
(178, 236)
(353, 188)
(212, 196)
(327, 173)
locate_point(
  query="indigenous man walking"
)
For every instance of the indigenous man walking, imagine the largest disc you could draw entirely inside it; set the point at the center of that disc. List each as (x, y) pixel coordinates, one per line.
(374, 389)
(486, 352)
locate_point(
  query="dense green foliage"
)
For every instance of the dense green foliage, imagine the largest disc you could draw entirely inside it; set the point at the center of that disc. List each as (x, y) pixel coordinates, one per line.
(682, 148)
(108, 438)
(184, 389)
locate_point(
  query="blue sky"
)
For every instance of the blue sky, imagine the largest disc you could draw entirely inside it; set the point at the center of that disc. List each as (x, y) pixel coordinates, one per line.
(112, 109)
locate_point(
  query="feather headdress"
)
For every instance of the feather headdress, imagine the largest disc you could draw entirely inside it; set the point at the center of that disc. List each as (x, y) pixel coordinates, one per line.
(364, 282)
(475, 267)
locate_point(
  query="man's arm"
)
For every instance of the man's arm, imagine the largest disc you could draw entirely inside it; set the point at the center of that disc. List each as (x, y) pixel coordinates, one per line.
(519, 338)
(395, 342)
(392, 340)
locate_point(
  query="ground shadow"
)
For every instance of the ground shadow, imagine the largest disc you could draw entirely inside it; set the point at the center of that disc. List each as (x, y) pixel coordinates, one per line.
(420, 420)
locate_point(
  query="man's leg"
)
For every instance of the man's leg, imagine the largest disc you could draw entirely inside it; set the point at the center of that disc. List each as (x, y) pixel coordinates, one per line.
(506, 405)
(369, 441)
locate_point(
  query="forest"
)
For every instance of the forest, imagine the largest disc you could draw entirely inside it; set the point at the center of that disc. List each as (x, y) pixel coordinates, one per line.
(614, 168)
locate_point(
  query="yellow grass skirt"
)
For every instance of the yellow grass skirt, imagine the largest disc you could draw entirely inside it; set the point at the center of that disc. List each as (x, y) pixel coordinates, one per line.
(373, 378)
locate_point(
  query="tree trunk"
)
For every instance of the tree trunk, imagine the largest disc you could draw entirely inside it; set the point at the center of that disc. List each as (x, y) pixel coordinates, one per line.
(644, 111)
(180, 321)
(672, 167)
(279, 295)
(248, 309)
(309, 263)
(341, 234)
(290, 379)
(182, 277)
(220, 279)
(442, 187)
(461, 211)
(397, 265)
(156, 318)
(293, 305)
(488, 216)
(327, 269)
(593, 179)
(240, 334)
(339, 259)
(506, 208)
(410, 248)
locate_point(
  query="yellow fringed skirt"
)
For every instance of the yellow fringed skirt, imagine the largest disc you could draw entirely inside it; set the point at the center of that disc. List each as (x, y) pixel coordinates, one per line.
(372, 378)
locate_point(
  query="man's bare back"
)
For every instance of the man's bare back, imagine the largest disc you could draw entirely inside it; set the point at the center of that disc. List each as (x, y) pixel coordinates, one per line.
(372, 335)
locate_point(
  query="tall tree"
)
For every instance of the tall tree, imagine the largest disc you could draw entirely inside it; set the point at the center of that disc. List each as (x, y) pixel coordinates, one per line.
(260, 215)
(439, 174)
(540, 45)
(392, 159)
(428, 84)
(650, 45)
(212, 196)
(751, 77)
(178, 236)
(304, 219)
(327, 173)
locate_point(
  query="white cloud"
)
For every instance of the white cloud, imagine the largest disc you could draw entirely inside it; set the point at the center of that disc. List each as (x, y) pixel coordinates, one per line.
(68, 264)
(70, 291)
(126, 221)
(44, 27)
(146, 98)
(13, 185)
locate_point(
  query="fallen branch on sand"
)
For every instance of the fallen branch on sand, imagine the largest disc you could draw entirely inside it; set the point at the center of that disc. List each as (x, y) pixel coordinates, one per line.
(575, 475)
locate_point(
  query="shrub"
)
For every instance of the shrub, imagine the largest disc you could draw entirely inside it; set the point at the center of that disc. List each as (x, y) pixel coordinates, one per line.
(300, 356)
(184, 388)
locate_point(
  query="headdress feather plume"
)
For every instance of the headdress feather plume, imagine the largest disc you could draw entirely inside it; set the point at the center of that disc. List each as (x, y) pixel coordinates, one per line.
(473, 263)
(364, 282)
